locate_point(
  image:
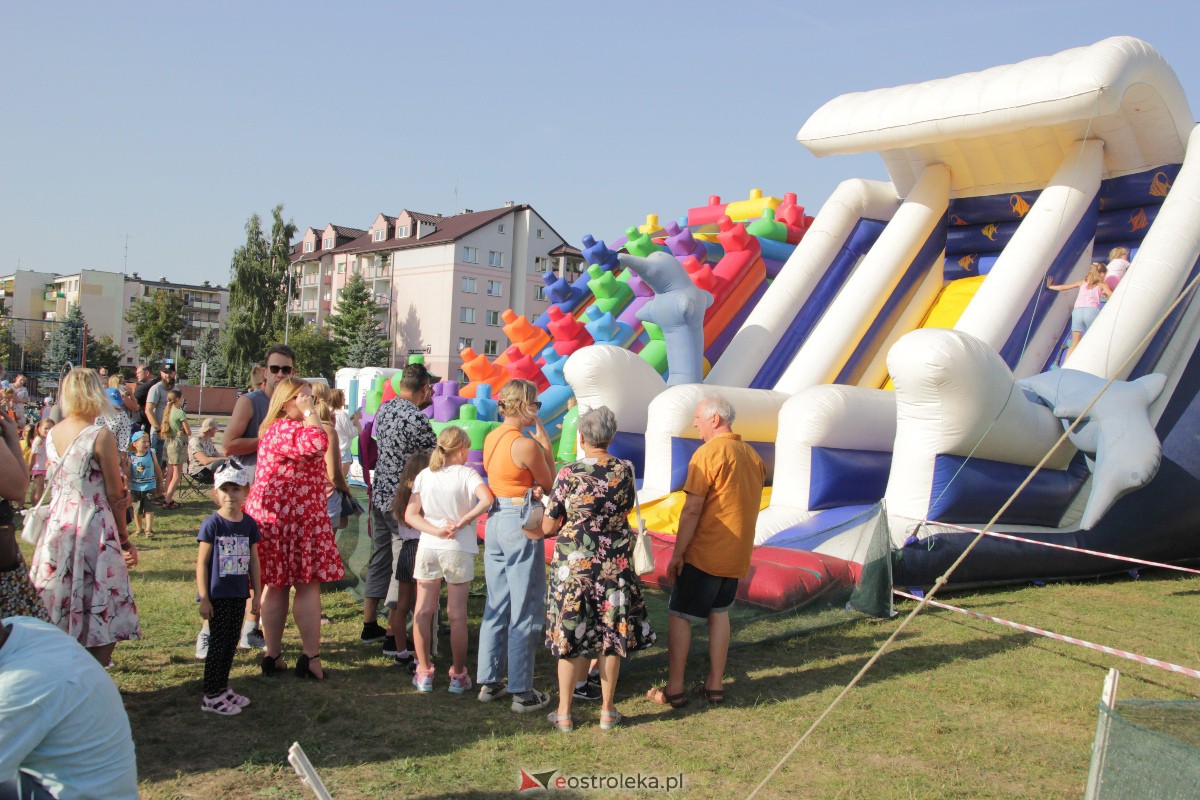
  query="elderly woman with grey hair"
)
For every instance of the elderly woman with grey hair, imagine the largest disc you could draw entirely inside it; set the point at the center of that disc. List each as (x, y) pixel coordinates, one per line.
(595, 607)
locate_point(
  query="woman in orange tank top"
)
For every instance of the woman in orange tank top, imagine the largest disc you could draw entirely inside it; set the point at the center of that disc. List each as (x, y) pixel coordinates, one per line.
(514, 562)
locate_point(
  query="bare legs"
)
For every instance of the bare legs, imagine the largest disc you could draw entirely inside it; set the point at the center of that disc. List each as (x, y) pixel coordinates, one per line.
(428, 594)
(679, 641)
(1075, 337)
(306, 611)
(103, 653)
(569, 670)
(174, 473)
(610, 668)
(406, 602)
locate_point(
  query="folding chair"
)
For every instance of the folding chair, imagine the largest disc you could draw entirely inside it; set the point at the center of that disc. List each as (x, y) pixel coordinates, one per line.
(194, 486)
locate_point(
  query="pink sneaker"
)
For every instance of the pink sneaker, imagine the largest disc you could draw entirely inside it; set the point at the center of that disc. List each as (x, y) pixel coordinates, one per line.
(460, 684)
(423, 681)
(239, 700)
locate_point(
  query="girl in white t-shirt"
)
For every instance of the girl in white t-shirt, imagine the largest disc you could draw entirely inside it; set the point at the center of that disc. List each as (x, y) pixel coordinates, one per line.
(447, 499)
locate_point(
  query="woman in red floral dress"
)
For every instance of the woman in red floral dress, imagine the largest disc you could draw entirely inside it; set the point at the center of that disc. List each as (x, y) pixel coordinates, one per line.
(287, 501)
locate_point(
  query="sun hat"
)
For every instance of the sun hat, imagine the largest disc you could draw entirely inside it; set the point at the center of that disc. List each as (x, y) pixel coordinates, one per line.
(231, 472)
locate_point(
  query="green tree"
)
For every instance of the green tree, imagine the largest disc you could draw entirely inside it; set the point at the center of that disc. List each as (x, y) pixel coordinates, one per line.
(354, 329)
(103, 352)
(208, 350)
(314, 352)
(157, 323)
(257, 290)
(66, 340)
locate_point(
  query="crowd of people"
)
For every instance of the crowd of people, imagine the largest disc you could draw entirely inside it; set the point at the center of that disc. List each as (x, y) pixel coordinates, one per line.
(280, 492)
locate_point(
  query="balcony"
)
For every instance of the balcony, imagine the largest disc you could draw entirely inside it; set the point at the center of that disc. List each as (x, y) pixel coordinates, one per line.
(383, 299)
(53, 295)
(203, 305)
(378, 272)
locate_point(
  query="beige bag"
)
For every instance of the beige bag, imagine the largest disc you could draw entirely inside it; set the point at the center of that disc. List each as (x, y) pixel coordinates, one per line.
(643, 549)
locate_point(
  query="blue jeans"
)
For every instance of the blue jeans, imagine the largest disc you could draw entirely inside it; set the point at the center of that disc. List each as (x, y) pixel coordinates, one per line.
(515, 613)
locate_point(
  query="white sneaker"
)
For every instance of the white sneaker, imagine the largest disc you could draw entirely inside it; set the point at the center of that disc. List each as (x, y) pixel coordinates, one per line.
(202, 645)
(252, 640)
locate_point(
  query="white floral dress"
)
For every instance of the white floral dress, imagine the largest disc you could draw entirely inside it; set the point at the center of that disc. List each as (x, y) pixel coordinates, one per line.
(78, 567)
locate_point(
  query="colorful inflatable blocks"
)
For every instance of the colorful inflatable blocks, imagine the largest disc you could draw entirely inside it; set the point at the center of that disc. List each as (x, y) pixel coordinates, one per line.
(611, 294)
(605, 329)
(480, 371)
(486, 409)
(741, 210)
(708, 214)
(793, 216)
(524, 334)
(596, 252)
(522, 366)
(765, 227)
(566, 451)
(655, 351)
(736, 278)
(651, 227)
(569, 333)
(681, 243)
(446, 401)
(640, 244)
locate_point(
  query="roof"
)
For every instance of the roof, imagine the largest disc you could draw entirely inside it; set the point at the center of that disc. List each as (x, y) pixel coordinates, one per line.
(1012, 126)
(565, 250)
(448, 229)
(344, 232)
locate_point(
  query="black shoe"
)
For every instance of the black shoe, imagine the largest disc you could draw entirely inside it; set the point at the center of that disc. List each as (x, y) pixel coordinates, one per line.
(389, 646)
(271, 665)
(372, 632)
(586, 692)
(408, 662)
(303, 670)
(593, 679)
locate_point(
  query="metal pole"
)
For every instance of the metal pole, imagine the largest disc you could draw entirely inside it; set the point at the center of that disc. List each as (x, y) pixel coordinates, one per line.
(287, 306)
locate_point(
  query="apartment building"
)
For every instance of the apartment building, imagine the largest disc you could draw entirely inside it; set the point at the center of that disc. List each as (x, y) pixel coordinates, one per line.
(442, 282)
(104, 297)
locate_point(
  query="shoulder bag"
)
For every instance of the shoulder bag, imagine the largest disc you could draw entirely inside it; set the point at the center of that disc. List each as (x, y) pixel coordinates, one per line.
(643, 550)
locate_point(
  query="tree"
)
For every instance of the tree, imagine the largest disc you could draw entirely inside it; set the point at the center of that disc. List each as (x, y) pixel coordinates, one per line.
(314, 352)
(103, 352)
(208, 350)
(354, 329)
(66, 341)
(257, 290)
(157, 323)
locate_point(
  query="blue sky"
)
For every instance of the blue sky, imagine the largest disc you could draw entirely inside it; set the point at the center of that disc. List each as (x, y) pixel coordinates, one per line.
(173, 122)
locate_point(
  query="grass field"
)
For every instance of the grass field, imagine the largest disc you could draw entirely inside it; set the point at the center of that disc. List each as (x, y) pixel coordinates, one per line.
(959, 709)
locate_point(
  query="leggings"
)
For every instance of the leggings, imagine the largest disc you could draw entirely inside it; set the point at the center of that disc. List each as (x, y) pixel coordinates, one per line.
(224, 629)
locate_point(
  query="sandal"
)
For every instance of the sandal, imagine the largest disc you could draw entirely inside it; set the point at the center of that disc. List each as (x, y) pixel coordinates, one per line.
(659, 695)
(239, 700)
(713, 696)
(610, 719)
(220, 705)
(304, 667)
(564, 724)
(273, 665)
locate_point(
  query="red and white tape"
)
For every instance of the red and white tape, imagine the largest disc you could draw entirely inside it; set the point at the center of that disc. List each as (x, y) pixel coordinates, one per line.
(1112, 651)
(1011, 537)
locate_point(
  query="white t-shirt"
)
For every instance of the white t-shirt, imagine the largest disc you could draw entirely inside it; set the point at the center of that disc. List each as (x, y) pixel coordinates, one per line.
(446, 495)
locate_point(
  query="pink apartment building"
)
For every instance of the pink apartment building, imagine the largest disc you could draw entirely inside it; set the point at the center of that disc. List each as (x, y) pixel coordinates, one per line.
(442, 281)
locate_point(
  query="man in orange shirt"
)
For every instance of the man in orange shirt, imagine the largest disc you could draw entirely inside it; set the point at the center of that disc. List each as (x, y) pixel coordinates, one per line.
(712, 548)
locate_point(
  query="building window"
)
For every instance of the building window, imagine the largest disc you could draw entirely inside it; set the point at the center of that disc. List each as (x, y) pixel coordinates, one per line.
(341, 267)
(493, 318)
(130, 340)
(378, 236)
(468, 284)
(489, 347)
(539, 293)
(401, 231)
(462, 377)
(308, 246)
(464, 342)
(471, 255)
(495, 258)
(327, 244)
(500, 228)
(466, 314)
(539, 233)
(377, 262)
(495, 289)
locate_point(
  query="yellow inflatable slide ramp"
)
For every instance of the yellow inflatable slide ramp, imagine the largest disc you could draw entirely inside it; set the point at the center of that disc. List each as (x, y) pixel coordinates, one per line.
(949, 306)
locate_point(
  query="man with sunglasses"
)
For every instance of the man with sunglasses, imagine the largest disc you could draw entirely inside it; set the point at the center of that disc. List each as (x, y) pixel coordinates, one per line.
(241, 440)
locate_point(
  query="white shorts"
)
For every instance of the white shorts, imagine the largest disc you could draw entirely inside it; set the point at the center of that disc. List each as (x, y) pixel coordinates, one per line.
(453, 565)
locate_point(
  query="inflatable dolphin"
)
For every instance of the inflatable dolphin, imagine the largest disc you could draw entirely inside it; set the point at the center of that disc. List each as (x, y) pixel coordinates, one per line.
(678, 308)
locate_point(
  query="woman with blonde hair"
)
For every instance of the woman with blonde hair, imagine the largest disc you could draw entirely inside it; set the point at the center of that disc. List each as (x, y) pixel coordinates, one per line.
(323, 403)
(1092, 289)
(513, 560)
(80, 563)
(176, 434)
(347, 425)
(297, 549)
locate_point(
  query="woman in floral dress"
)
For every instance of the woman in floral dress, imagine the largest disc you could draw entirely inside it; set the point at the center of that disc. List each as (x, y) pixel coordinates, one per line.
(81, 558)
(595, 606)
(297, 548)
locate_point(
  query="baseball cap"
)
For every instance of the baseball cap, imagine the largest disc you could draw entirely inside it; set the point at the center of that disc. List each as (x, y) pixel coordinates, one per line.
(231, 472)
(209, 424)
(420, 371)
(168, 365)
(114, 397)
(137, 435)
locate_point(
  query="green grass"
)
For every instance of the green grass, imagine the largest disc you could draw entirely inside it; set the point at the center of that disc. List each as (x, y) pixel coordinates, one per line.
(960, 708)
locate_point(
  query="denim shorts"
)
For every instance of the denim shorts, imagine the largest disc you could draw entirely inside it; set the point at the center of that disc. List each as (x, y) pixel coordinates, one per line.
(696, 594)
(1082, 318)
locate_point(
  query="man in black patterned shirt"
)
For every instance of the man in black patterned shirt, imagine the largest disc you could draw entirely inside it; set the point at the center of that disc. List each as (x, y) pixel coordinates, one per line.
(400, 429)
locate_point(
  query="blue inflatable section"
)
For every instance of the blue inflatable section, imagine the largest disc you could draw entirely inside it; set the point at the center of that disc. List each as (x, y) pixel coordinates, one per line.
(822, 527)
(842, 477)
(972, 490)
(630, 447)
(682, 451)
(856, 245)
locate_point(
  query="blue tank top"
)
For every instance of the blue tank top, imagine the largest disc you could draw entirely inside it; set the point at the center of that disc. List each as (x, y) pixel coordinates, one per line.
(259, 404)
(143, 471)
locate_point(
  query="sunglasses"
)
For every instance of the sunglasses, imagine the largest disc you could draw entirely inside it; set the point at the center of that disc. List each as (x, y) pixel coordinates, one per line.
(277, 368)
(537, 405)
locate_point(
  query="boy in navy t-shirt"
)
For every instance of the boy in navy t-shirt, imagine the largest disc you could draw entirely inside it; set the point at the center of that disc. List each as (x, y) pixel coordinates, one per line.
(226, 569)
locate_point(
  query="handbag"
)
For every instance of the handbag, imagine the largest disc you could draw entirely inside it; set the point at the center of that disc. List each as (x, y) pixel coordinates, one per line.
(532, 512)
(36, 517)
(350, 508)
(643, 549)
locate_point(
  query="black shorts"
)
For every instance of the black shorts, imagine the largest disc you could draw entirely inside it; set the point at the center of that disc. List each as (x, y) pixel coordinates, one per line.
(696, 594)
(141, 502)
(406, 561)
